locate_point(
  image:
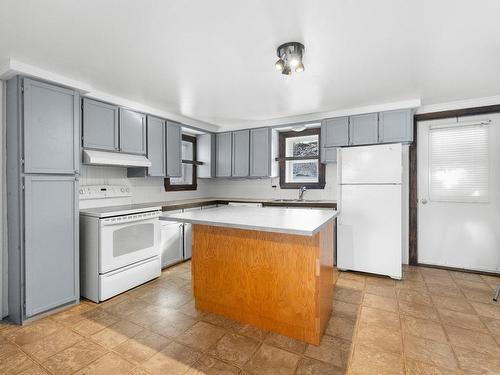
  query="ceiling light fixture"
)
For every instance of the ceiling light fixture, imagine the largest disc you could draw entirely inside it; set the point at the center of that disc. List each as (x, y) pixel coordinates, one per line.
(290, 58)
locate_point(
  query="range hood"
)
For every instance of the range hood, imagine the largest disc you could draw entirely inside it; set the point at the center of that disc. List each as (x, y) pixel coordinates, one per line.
(94, 157)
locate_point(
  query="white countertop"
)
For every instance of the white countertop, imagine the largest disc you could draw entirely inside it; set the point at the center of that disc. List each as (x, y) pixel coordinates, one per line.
(267, 219)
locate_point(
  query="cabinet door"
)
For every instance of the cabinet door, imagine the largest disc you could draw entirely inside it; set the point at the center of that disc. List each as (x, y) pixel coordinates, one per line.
(260, 152)
(335, 132)
(241, 153)
(205, 153)
(223, 148)
(132, 132)
(51, 129)
(363, 129)
(156, 146)
(329, 155)
(188, 236)
(51, 242)
(171, 243)
(174, 149)
(395, 126)
(100, 125)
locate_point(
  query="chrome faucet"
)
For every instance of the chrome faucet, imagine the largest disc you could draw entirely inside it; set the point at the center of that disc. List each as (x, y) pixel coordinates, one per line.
(301, 192)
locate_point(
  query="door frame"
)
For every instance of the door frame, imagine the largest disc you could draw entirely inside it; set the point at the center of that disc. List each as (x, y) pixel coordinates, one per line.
(413, 199)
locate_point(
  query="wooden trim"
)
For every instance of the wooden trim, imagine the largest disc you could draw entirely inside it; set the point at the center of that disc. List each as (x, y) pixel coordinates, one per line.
(413, 199)
(194, 162)
(283, 158)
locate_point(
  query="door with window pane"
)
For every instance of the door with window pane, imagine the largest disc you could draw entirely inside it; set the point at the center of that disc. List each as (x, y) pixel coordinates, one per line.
(459, 192)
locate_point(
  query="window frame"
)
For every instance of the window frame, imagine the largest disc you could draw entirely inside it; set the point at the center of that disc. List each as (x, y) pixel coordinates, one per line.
(194, 185)
(282, 159)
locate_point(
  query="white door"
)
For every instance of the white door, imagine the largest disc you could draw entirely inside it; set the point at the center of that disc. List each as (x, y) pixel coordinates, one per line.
(171, 243)
(369, 229)
(459, 192)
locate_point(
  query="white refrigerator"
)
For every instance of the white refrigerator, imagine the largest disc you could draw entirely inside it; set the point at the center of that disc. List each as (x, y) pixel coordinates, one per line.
(371, 200)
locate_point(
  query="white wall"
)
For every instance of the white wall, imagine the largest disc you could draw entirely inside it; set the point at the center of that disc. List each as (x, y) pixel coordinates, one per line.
(262, 188)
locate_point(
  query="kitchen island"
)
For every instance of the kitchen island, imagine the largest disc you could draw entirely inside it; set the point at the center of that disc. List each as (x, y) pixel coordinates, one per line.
(268, 267)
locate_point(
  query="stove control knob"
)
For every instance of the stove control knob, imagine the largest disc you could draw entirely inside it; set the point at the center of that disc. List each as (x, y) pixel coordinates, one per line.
(123, 190)
(82, 191)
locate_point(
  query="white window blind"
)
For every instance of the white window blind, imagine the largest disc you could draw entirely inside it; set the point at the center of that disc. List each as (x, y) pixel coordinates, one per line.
(458, 163)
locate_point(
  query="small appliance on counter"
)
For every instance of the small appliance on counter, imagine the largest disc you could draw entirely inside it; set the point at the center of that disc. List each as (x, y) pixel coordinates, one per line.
(119, 245)
(371, 195)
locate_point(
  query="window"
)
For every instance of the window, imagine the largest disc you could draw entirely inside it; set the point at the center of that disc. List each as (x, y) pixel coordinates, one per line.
(188, 179)
(299, 160)
(458, 163)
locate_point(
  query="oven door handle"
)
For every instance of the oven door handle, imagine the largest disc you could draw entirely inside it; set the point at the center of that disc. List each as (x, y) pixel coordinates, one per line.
(108, 222)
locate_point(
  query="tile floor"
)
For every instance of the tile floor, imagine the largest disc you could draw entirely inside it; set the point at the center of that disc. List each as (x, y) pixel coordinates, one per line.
(432, 322)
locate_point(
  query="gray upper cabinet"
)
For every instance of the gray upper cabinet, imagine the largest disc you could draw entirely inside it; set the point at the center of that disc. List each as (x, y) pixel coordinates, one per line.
(100, 125)
(241, 153)
(206, 154)
(223, 154)
(174, 149)
(51, 128)
(156, 146)
(396, 126)
(363, 129)
(260, 152)
(335, 132)
(51, 242)
(132, 132)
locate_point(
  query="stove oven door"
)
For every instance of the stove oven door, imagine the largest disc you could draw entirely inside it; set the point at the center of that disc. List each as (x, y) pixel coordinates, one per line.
(126, 240)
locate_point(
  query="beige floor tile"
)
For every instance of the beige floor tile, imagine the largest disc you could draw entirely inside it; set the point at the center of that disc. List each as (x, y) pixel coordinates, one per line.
(381, 290)
(341, 327)
(473, 362)
(457, 319)
(142, 346)
(352, 276)
(94, 321)
(493, 325)
(350, 284)
(309, 366)
(431, 352)
(368, 361)
(492, 281)
(110, 363)
(478, 295)
(270, 360)
(207, 365)
(384, 303)
(345, 310)
(285, 342)
(190, 309)
(380, 337)
(332, 350)
(116, 334)
(219, 320)
(126, 307)
(379, 318)
(466, 276)
(33, 370)
(417, 284)
(234, 348)
(491, 310)
(444, 290)
(250, 331)
(348, 295)
(138, 371)
(13, 360)
(173, 328)
(380, 280)
(420, 368)
(34, 331)
(74, 358)
(478, 284)
(72, 315)
(201, 336)
(478, 341)
(423, 328)
(174, 359)
(459, 304)
(414, 296)
(418, 310)
(52, 344)
(166, 298)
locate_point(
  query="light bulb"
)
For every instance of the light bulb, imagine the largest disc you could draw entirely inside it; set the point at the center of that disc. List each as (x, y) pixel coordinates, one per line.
(299, 68)
(280, 65)
(294, 62)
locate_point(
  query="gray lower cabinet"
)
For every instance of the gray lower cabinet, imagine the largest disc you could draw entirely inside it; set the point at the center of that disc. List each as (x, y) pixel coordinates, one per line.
(241, 153)
(223, 154)
(260, 152)
(51, 237)
(335, 132)
(99, 125)
(174, 149)
(363, 129)
(132, 132)
(205, 153)
(51, 128)
(396, 126)
(329, 155)
(156, 152)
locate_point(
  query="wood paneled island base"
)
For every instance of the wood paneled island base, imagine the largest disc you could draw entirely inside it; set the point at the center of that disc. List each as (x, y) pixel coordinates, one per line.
(278, 282)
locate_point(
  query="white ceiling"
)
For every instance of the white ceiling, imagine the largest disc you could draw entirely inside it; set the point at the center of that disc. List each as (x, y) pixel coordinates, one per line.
(214, 60)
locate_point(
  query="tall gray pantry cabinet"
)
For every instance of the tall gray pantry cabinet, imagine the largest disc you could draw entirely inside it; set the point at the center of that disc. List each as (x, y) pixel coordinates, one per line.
(42, 207)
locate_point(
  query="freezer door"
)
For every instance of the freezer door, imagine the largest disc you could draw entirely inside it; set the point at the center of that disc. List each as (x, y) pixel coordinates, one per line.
(379, 164)
(369, 229)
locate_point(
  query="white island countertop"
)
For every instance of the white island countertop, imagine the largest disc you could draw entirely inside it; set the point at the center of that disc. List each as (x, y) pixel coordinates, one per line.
(268, 219)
